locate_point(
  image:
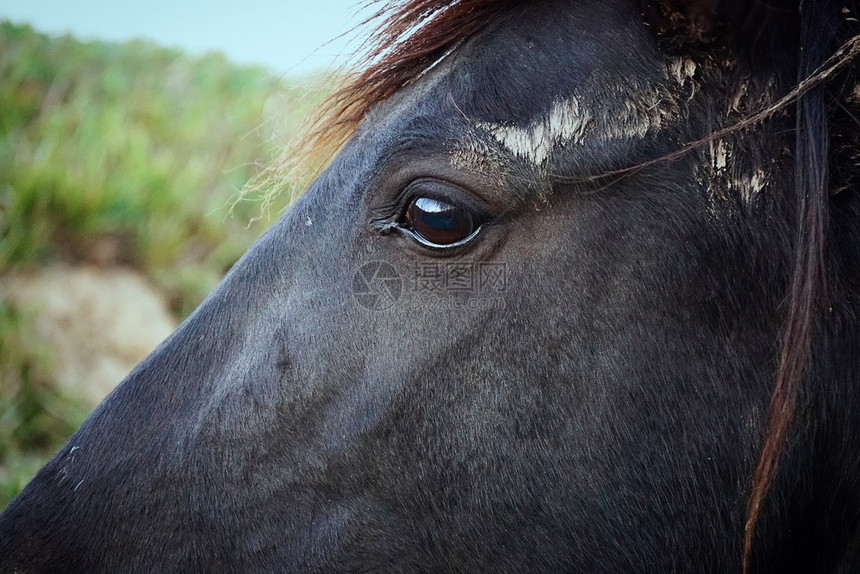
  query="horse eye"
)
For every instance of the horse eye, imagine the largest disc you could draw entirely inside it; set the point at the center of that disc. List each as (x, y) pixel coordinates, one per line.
(439, 223)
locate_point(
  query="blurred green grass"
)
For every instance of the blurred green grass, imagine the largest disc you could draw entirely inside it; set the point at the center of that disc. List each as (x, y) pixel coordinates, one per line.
(136, 147)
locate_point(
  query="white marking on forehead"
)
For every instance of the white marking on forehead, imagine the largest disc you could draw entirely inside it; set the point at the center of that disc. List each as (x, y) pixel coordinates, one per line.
(740, 98)
(730, 173)
(749, 186)
(638, 115)
(719, 155)
(682, 69)
(569, 122)
(624, 111)
(566, 123)
(727, 176)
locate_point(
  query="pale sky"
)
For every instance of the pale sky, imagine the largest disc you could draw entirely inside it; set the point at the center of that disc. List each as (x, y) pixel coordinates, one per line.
(290, 37)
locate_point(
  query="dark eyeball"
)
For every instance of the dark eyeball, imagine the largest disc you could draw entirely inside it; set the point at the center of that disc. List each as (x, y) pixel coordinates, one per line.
(438, 222)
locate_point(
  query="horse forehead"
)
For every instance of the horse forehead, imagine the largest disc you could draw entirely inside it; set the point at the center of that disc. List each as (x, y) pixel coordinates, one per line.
(574, 77)
(535, 79)
(607, 108)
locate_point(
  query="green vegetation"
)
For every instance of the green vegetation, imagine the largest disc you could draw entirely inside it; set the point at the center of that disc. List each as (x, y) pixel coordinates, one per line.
(130, 146)
(35, 418)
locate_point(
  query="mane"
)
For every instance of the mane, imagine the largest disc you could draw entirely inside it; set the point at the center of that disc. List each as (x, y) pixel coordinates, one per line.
(414, 35)
(821, 26)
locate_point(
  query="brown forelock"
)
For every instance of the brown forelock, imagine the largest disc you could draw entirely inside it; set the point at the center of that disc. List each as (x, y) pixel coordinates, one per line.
(412, 36)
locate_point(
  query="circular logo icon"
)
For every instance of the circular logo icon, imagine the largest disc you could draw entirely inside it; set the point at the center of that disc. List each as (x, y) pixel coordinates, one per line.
(377, 285)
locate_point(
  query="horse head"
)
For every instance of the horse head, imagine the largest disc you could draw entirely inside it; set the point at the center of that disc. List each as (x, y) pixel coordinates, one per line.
(578, 292)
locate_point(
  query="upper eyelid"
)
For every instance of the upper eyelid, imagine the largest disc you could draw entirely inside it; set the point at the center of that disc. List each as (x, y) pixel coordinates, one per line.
(446, 191)
(434, 163)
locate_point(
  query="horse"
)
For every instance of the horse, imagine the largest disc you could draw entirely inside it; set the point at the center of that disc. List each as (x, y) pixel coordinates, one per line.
(576, 292)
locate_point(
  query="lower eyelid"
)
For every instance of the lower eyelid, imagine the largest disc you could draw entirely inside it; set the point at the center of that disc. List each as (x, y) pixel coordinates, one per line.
(436, 247)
